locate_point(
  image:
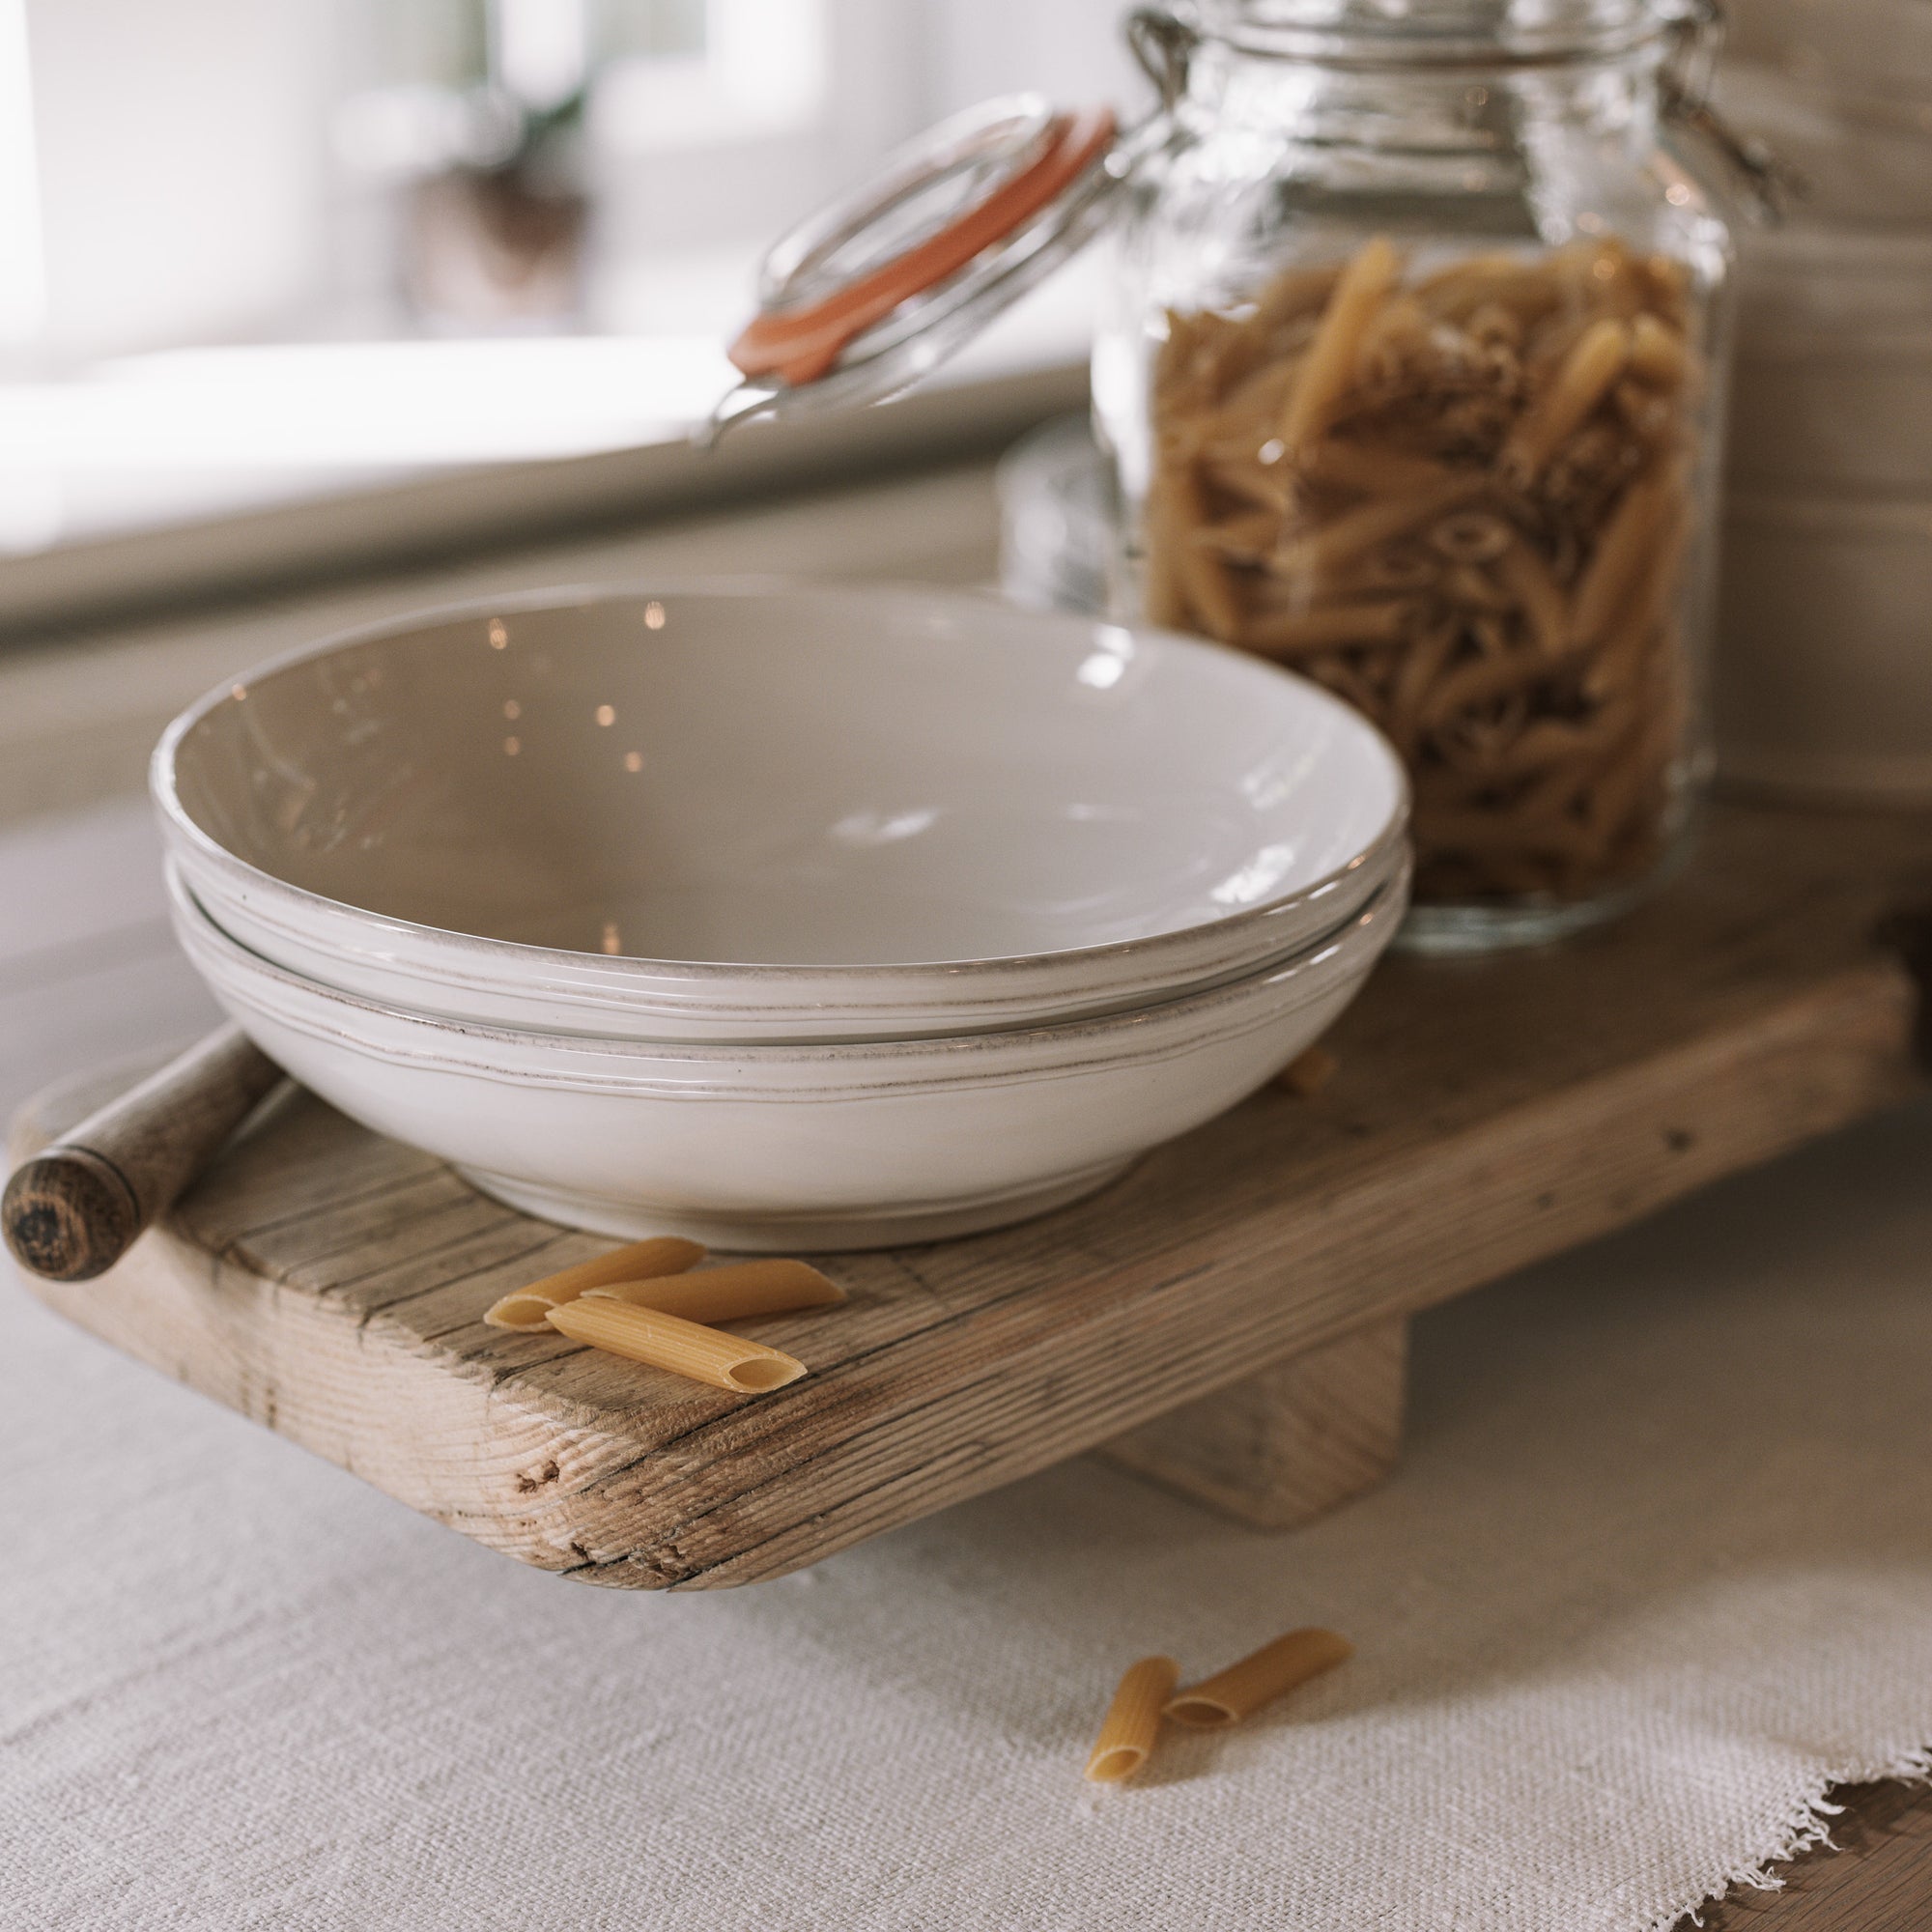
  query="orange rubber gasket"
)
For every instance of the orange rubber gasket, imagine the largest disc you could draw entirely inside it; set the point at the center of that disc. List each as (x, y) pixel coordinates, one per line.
(801, 345)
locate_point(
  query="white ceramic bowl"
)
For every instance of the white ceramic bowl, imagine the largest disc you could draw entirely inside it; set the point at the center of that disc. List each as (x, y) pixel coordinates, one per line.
(772, 813)
(807, 1147)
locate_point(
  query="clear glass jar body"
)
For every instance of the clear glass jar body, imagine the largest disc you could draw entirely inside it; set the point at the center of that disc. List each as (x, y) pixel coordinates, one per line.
(1413, 381)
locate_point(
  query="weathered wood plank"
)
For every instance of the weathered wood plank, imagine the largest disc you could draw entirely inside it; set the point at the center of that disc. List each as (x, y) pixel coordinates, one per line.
(1291, 1442)
(1485, 1115)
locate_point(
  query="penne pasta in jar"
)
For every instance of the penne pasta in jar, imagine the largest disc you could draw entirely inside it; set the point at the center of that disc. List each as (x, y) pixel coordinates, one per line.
(1405, 377)
(1464, 500)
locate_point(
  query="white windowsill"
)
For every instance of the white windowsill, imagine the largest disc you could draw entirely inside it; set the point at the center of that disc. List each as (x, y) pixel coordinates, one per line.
(166, 476)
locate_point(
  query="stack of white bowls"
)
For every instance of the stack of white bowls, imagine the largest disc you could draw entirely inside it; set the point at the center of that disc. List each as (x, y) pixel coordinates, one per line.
(1823, 681)
(781, 918)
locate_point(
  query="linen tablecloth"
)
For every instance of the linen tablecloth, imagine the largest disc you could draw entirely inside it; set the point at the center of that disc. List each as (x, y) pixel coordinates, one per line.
(1655, 1572)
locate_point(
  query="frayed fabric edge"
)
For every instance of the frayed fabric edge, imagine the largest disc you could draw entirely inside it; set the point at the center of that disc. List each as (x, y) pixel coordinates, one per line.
(1805, 1829)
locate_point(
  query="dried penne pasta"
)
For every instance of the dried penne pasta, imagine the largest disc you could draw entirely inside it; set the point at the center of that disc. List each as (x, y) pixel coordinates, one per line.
(1592, 365)
(1526, 577)
(1270, 1672)
(1658, 355)
(683, 1348)
(1203, 583)
(1640, 522)
(1472, 536)
(1372, 468)
(1299, 291)
(733, 1294)
(1162, 596)
(1128, 1730)
(1477, 682)
(1290, 632)
(1331, 366)
(1308, 1073)
(1461, 502)
(529, 1307)
(1371, 524)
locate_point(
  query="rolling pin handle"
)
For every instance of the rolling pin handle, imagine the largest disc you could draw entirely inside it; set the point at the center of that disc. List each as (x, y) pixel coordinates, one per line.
(73, 1210)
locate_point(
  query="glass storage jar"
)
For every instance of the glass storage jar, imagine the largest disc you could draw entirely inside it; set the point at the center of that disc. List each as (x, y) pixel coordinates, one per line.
(1413, 383)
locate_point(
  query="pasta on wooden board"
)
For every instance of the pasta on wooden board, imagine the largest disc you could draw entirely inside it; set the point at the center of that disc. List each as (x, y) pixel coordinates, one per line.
(733, 1294)
(683, 1348)
(1257, 1679)
(1127, 1732)
(662, 1255)
(1463, 501)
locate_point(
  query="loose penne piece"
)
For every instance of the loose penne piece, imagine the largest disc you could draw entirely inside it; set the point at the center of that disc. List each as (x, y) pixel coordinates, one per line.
(1270, 1672)
(1331, 366)
(527, 1307)
(683, 1348)
(734, 1294)
(1128, 1730)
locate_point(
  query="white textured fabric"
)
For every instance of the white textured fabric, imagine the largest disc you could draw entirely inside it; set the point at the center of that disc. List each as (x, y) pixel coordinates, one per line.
(1657, 1567)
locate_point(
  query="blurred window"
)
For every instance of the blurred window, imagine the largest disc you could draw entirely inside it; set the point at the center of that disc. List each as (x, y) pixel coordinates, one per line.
(236, 236)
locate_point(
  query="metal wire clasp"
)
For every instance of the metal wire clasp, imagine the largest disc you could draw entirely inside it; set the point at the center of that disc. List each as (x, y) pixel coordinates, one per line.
(1768, 183)
(1163, 43)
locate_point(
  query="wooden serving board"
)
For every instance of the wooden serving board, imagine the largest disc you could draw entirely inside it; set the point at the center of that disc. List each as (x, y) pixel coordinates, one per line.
(332, 1284)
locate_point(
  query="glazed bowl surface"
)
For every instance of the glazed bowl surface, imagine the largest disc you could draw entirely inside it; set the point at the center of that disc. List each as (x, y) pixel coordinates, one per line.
(815, 1146)
(771, 812)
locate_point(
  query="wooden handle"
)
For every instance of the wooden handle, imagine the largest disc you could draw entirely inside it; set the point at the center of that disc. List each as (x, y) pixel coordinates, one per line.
(73, 1211)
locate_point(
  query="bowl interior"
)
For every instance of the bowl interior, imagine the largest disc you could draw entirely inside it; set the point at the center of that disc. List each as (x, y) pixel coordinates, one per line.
(786, 778)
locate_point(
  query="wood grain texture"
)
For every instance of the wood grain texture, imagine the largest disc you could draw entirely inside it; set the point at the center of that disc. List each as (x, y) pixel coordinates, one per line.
(1486, 1114)
(1291, 1442)
(1875, 1876)
(75, 1210)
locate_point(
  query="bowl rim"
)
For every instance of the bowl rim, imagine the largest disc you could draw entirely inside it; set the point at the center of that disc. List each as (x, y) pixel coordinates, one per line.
(872, 1069)
(603, 1013)
(519, 958)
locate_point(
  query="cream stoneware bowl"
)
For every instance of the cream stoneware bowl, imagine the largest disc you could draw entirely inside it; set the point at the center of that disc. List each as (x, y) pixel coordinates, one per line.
(816, 1146)
(771, 813)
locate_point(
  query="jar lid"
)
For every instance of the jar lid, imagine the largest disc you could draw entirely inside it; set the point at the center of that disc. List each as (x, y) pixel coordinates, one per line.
(1415, 32)
(871, 294)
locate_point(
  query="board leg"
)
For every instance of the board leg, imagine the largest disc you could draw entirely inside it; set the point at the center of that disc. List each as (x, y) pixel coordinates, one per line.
(1290, 1443)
